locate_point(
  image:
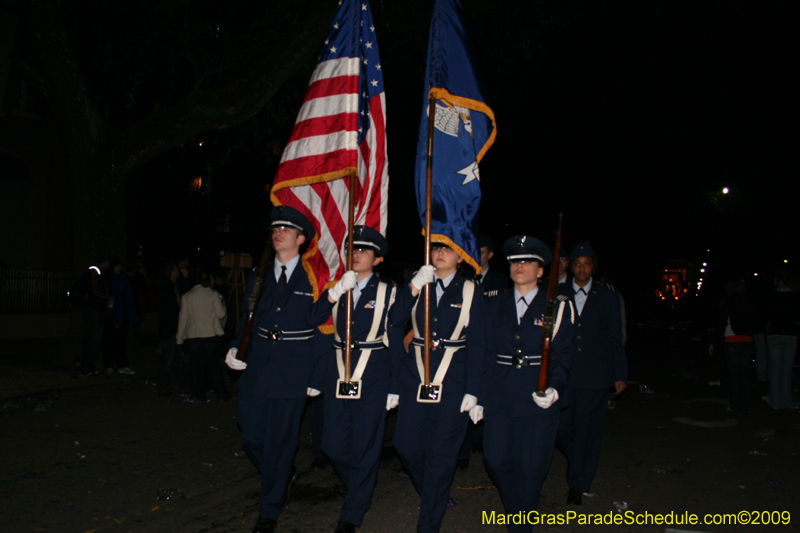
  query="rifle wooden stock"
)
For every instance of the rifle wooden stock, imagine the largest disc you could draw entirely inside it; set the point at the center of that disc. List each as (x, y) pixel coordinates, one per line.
(550, 314)
(252, 301)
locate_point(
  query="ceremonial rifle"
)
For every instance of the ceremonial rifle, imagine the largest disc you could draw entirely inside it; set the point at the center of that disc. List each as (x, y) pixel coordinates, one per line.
(253, 298)
(550, 311)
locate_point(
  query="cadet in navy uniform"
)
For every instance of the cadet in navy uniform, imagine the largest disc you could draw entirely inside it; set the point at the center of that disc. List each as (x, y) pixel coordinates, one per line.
(428, 435)
(598, 363)
(564, 278)
(276, 378)
(353, 434)
(521, 426)
(492, 282)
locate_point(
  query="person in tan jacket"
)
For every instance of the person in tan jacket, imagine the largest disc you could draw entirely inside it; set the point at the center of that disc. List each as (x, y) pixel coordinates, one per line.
(200, 329)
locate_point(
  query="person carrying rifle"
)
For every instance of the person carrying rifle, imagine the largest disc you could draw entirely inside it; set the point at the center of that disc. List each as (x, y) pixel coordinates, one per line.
(521, 424)
(277, 376)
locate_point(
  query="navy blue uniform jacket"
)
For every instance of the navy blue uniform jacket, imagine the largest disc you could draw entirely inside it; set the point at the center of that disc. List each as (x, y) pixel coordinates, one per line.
(282, 369)
(380, 366)
(598, 355)
(470, 363)
(494, 281)
(509, 390)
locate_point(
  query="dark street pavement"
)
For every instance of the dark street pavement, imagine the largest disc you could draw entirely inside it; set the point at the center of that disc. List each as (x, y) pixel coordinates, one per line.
(94, 454)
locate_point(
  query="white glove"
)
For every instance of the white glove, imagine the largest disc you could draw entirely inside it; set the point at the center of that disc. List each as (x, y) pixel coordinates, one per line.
(468, 402)
(232, 362)
(347, 282)
(312, 392)
(476, 414)
(426, 274)
(392, 401)
(550, 397)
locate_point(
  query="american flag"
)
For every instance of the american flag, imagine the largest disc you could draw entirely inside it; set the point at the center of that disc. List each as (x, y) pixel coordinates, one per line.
(340, 129)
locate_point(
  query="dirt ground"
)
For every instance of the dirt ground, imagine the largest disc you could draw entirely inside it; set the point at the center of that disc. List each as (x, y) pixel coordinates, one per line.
(103, 454)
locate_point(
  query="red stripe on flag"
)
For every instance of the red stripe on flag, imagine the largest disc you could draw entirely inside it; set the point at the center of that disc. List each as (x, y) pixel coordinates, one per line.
(331, 87)
(334, 219)
(314, 165)
(373, 217)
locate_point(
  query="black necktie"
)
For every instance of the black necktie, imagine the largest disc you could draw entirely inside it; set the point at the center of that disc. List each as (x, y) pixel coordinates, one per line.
(282, 279)
(581, 290)
(356, 294)
(440, 283)
(522, 314)
(480, 279)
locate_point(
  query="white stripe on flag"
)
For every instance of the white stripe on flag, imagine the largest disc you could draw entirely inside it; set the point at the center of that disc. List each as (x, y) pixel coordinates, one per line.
(328, 106)
(320, 145)
(311, 199)
(345, 66)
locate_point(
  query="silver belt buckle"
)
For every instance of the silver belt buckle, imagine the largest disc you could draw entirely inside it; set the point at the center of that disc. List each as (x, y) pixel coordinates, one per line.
(355, 345)
(518, 361)
(348, 390)
(435, 343)
(429, 393)
(275, 335)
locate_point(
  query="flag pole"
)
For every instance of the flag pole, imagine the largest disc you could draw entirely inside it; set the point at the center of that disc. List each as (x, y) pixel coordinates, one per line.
(428, 193)
(348, 335)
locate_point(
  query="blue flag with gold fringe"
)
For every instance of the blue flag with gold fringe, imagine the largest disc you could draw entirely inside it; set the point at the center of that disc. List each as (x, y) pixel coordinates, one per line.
(464, 129)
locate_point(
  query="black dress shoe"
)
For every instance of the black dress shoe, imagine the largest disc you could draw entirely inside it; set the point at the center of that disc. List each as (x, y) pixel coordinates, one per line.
(319, 463)
(264, 525)
(574, 496)
(345, 527)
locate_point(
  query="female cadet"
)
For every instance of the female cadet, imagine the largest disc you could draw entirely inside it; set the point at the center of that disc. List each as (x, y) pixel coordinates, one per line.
(355, 415)
(520, 426)
(428, 435)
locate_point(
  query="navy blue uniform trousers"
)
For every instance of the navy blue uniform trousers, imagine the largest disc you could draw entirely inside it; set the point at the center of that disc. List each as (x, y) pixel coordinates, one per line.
(580, 430)
(352, 440)
(270, 435)
(428, 438)
(518, 451)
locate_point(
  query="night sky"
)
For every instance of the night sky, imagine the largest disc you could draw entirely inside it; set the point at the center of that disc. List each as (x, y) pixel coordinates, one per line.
(628, 117)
